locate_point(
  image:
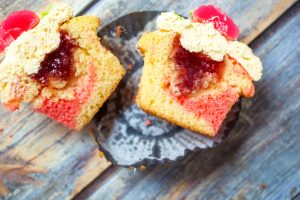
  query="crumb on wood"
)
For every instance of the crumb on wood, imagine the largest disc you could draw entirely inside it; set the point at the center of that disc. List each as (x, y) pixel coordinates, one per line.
(132, 169)
(91, 130)
(294, 191)
(118, 31)
(263, 186)
(134, 99)
(101, 154)
(130, 67)
(148, 122)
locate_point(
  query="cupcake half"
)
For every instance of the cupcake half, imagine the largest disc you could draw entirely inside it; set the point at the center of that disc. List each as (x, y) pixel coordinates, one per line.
(194, 69)
(60, 67)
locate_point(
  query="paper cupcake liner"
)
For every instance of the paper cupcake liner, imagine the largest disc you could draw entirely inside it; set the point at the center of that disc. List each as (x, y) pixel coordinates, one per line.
(128, 136)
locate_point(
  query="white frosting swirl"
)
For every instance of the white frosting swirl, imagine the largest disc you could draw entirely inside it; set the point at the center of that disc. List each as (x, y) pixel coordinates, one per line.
(198, 37)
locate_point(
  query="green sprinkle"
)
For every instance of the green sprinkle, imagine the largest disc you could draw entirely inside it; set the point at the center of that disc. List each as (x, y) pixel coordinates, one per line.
(191, 13)
(46, 12)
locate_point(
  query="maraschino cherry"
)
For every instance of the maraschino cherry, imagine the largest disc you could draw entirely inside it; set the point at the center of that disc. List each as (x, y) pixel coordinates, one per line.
(14, 25)
(221, 21)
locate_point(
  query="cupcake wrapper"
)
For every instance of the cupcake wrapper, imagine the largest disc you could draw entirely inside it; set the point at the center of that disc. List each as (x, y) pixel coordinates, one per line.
(126, 135)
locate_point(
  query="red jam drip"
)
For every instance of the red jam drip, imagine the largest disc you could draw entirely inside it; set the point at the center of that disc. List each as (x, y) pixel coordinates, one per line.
(57, 64)
(192, 68)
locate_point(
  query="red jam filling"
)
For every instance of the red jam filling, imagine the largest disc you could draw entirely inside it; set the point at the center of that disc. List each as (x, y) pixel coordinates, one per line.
(194, 70)
(57, 64)
(221, 21)
(66, 111)
(14, 25)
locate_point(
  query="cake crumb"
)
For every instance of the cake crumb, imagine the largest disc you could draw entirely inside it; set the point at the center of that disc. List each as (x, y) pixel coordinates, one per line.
(118, 31)
(130, 67)
(263, 186)
(101, 154)
(91, 131)
(132, 169)
(133, 99)
(148, 122)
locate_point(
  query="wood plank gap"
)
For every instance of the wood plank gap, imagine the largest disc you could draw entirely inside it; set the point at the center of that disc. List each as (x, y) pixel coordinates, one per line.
(96, 183)
(87, 7)
(279, 19)
(297, 197)
(281, 8)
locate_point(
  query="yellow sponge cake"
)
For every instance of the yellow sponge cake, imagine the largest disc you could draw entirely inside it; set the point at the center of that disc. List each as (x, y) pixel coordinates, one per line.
(70, 74)
(193, 83)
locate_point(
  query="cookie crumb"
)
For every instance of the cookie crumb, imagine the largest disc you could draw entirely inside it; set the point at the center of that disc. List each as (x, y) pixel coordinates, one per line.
(148, 122)
(118, 31)
(263, 186)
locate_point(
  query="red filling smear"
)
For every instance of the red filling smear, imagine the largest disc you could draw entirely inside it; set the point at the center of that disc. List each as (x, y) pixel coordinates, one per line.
(66, 111)
(57, 64)
(14, 25)
(221, 21)
(193, 69)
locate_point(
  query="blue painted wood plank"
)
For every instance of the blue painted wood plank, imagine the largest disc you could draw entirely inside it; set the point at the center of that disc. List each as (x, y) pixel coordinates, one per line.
(43, 160)
(261, 158)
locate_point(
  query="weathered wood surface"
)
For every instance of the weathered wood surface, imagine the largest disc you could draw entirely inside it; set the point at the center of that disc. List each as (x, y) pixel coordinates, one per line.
(8, 6)
(261, 158)
(41, 159)
(252, 16)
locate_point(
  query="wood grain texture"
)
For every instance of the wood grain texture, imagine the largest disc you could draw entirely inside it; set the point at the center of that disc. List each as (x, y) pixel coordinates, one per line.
(41, 159)
(252, 17)
(7, 6)
(260, 160)
(58, 162)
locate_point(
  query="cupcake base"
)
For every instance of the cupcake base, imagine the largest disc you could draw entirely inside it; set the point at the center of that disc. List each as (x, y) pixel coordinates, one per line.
(126, 135)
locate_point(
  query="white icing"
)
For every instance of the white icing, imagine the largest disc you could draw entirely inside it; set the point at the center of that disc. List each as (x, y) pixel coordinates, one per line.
(198, 37)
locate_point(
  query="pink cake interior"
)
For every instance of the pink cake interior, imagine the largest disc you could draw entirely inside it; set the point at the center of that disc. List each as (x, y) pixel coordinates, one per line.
(212, 108)
(66, 111)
